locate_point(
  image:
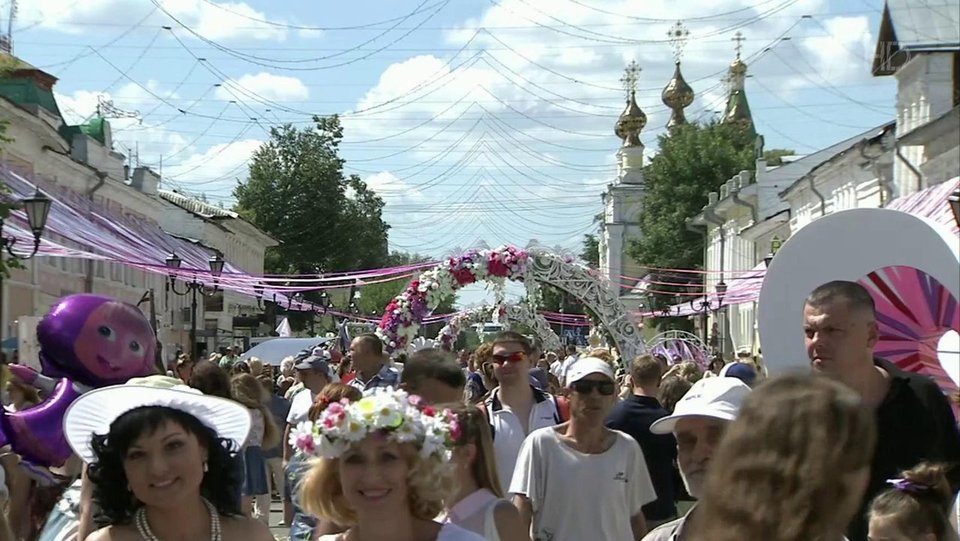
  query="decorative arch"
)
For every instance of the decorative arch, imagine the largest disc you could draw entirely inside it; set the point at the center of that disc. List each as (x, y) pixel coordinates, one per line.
(404, 314)
(682, 345)
(508, 313)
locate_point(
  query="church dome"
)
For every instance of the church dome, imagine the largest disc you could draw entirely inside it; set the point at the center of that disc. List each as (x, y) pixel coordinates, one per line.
(632, 120)
(677, 95)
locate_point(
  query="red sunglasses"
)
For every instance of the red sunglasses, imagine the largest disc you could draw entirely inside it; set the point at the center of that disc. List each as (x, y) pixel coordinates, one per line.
(514, 357)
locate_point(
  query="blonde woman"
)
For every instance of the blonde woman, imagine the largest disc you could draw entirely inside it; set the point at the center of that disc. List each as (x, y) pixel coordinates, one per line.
(479, 504)
(263, 434)
(792, 467)
(384, 469)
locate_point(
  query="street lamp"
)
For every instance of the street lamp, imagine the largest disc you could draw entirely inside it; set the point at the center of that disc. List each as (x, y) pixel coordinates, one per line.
(37, 208)
(705, 305)
(954, 200)
(193, 287)
(720, 313)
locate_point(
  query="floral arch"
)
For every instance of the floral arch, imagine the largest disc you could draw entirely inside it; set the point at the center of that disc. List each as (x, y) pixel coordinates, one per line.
(403, 315)
(501, 313)
(679, 346)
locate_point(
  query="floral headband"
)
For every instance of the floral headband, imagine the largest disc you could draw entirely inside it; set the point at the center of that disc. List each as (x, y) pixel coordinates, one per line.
(388, 411)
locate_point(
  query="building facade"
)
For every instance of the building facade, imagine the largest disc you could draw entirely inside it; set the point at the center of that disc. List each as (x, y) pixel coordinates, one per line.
(43, 147)
(917, 151)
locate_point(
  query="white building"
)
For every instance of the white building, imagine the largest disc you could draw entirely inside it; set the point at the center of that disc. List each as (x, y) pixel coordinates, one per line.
(752, 212)
(228, 317)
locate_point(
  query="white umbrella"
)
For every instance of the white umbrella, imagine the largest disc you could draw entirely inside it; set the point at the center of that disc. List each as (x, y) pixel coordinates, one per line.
(273, 351)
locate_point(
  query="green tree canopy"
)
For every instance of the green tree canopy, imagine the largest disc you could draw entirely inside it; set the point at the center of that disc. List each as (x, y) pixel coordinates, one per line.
(590, 250)
(297, 192)
(693, 161)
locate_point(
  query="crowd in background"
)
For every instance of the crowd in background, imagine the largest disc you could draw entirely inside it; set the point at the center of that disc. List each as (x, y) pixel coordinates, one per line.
(579, 444)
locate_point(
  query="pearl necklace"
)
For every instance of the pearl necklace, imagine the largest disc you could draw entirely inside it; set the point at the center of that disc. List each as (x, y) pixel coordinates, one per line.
(143, 527)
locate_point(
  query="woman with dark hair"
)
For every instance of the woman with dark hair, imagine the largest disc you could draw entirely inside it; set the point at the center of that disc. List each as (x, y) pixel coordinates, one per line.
(210, 380)
(161, 461)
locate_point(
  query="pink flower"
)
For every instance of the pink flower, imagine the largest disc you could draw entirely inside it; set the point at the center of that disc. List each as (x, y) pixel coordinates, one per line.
(414, 400)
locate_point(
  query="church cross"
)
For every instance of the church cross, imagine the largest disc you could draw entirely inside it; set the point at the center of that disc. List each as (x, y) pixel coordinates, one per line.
(629, 79)
(678, 35)
(738, 37)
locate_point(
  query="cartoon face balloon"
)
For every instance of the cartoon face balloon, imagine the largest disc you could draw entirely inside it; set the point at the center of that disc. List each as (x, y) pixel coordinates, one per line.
(96, 341)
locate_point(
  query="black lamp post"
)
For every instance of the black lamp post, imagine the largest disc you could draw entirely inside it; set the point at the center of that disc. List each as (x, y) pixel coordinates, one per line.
(258, 291)
(954, 200)
(37, 208)
(193, 287)
(721, 315)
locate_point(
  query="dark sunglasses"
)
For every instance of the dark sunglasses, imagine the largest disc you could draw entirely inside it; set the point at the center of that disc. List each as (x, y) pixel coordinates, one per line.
(514, 357)
(586, 386)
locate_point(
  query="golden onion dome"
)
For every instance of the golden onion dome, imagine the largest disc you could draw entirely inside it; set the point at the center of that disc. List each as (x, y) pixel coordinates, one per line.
(677, 93)
(631, 122)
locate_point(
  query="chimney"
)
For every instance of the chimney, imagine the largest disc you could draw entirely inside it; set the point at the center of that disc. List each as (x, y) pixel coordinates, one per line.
(144, 180)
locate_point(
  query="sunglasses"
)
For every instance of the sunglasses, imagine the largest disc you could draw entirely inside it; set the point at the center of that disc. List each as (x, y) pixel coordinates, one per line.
(514, 357)
(585, 386)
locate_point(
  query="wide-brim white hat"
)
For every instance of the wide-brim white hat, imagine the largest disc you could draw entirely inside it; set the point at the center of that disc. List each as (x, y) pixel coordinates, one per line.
(94, 412)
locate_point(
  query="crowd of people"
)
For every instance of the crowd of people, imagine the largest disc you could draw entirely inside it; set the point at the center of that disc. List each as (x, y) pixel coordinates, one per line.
(512, 443)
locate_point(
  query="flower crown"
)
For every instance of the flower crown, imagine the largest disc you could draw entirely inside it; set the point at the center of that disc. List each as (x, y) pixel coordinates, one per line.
(392, 412)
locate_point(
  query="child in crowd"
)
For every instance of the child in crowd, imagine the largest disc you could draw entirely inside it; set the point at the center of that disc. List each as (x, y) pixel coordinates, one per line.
(263, 434)
(916, 507)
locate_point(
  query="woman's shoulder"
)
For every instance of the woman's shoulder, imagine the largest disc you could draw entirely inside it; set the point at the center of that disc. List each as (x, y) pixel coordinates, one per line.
(245, 529)
(452, 532)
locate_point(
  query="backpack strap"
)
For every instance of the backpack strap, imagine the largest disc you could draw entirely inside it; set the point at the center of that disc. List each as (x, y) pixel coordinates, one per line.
(563, 408)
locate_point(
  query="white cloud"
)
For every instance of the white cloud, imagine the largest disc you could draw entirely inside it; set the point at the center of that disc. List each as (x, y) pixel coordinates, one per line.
(391, 188)
(211, 19)
(263, 85)
(214, 170)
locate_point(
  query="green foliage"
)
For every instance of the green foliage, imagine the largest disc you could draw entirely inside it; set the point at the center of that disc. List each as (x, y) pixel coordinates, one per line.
(325, 221)
(6, 263)
(774, 156)
(693, 161)
(590, 251)
(297, 192)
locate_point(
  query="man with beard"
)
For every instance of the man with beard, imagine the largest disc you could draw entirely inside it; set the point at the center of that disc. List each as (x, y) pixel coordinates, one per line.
(698, 422)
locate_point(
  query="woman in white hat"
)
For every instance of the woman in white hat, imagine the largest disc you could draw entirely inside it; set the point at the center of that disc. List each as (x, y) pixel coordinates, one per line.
(160, 458)
(384, 468)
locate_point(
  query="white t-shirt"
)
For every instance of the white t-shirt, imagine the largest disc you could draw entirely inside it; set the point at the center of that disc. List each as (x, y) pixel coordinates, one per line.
(300, 406)
(508, 431)
(565, 367)
(449, 532)
(558, 480)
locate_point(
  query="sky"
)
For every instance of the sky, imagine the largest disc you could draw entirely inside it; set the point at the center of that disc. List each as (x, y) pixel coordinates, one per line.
(477, 121)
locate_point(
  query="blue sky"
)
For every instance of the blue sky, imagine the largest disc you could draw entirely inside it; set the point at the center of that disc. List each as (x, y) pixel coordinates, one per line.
(476, 120)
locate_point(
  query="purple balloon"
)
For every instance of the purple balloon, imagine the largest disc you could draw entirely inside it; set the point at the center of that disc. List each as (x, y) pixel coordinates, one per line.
(96, 340)
(91, 340)
(36, 433)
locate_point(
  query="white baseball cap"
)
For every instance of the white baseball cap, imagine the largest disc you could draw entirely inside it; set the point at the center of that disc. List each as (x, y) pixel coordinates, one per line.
(589, 365)
(719, 398)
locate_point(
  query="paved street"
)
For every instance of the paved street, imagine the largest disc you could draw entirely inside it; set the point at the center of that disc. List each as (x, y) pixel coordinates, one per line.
(281, 533)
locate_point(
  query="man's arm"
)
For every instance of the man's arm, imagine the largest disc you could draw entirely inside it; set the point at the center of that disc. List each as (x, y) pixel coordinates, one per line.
(287, 449)
(639, 526)
(522, 503)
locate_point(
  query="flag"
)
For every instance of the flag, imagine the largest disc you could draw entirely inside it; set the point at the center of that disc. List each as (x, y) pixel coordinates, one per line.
(283, 329)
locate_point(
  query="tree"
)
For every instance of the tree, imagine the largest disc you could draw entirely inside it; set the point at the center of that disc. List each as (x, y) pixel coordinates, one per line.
(774, 156)
(693, 161)
(297, 192)
(590, 252)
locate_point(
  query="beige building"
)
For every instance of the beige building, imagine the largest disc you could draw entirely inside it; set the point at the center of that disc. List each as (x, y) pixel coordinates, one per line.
(81, 158)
